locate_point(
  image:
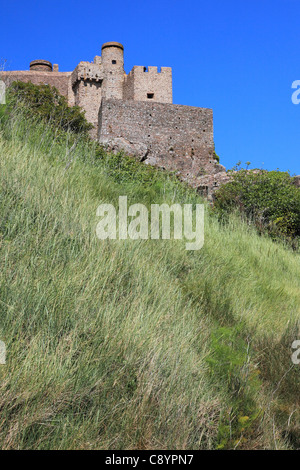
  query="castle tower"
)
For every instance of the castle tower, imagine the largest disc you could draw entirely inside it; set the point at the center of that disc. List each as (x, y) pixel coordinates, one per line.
(40, 66)
(113, 67)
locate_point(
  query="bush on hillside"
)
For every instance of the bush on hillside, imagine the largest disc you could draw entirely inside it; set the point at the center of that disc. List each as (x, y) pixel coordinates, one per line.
(46, 103)
(268, 198)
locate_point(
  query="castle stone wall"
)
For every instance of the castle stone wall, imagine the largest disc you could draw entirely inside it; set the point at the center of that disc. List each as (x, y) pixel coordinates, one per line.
(128, 86)
(174, 137)
(58, 79)
(88, 95)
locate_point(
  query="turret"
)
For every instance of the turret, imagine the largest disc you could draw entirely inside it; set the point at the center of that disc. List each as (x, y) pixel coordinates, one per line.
(113, 66)
(41, 66)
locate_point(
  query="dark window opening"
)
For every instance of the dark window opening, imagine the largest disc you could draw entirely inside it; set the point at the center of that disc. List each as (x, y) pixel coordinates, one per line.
(150, 96)
(145, 69)
(114, 62)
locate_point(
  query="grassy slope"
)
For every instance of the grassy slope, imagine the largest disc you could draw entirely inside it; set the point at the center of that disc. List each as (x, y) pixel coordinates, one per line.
(135, 344)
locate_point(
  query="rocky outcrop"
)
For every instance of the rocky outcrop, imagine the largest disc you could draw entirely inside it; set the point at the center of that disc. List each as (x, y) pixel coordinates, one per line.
(297, 181)
(136, 149)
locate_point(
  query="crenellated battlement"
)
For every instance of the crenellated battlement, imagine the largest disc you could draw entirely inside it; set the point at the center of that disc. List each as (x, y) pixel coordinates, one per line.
(151, 69)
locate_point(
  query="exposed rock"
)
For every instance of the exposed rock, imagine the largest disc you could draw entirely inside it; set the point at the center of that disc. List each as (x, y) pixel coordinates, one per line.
(135, 149)
(297, 181)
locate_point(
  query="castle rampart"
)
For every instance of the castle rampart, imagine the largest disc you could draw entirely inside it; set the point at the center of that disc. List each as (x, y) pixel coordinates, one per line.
(171, 136)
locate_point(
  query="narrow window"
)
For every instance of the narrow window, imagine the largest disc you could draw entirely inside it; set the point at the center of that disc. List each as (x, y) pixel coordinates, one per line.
(114, 62)
(150, 96)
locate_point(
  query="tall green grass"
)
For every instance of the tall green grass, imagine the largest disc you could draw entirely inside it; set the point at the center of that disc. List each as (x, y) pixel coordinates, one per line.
(134, 344)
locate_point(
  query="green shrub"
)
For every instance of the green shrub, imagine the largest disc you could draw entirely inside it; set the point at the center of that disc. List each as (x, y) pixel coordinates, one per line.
(46, 103)
(268, 198)
(216, 157)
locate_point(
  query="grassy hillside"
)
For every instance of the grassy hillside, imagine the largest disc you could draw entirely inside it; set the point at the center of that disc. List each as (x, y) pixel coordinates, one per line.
(135, 344)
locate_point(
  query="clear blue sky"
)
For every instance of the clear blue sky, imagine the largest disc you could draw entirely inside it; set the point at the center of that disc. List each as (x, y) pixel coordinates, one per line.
(238, 57)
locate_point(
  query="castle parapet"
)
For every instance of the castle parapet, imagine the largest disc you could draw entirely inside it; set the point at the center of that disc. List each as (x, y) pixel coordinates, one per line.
(87, 71)
(149, 84)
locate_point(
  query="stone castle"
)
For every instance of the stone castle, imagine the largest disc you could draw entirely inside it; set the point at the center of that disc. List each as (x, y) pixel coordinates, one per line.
(135, 113)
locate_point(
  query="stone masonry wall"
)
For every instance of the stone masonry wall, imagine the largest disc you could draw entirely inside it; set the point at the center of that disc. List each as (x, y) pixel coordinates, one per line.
(58, 79)
(87, 86)
(174, 137)
(88, 97)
